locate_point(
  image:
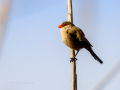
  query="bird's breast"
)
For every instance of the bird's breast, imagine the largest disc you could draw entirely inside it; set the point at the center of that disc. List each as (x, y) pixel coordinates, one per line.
(64, 35)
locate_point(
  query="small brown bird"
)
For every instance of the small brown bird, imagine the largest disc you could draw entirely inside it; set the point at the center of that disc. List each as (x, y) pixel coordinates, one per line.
(74, 38)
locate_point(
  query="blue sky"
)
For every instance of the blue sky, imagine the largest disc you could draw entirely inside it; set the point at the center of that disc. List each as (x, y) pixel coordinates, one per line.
(33, 56)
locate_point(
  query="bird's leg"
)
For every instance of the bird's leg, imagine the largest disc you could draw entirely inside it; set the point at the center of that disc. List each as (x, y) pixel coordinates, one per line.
(72, 59)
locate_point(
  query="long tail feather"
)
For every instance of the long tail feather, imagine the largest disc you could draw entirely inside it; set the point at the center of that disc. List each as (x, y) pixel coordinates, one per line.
(94, 55)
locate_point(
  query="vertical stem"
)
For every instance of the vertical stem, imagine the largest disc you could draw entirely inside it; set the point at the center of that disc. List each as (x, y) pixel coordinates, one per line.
(72, 52)
(69, 8)
(73, 70)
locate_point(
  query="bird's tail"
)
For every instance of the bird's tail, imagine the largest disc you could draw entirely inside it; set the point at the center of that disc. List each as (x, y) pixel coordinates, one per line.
(94, 55)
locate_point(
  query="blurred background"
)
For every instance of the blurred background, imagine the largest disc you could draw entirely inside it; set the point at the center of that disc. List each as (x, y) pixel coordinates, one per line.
(33, 56)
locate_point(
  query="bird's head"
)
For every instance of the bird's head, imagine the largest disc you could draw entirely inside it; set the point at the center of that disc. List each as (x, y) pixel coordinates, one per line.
(66, 23)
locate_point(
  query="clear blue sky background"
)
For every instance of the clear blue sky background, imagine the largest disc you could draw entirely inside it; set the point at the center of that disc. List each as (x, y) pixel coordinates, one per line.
(34, 56)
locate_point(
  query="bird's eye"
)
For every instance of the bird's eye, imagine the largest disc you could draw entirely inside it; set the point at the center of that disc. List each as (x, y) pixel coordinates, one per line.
(64, 25)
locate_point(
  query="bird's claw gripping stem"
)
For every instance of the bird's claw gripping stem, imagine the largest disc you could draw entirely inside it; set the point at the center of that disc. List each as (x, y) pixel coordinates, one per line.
(72, 59)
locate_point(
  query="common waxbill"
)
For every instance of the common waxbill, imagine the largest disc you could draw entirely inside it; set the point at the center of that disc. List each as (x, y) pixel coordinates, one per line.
(74, 38)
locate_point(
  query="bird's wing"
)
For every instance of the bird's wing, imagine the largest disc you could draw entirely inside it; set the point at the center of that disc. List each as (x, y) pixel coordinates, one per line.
(86, 43)
(77, 33)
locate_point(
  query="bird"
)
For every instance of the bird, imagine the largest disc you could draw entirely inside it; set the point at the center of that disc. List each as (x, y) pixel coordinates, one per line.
(74, 38)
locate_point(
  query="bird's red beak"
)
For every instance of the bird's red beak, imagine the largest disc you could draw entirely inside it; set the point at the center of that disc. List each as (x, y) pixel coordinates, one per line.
(60, 26)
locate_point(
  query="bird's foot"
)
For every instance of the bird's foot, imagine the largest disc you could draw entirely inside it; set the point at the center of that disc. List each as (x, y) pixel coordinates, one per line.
(73, 59)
